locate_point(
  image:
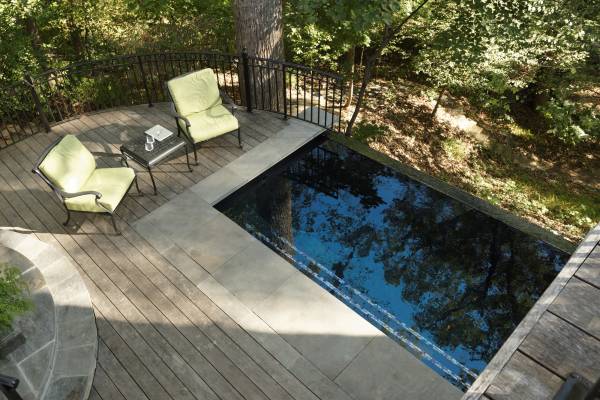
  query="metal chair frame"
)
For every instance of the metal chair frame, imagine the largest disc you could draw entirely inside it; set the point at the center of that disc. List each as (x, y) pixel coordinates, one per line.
(226, 98)
(62, 195)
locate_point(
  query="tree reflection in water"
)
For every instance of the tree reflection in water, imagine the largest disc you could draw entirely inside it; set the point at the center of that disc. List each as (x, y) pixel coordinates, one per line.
(458, 277)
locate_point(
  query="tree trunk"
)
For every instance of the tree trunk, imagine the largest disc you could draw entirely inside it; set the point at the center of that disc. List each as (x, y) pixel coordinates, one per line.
(349, 70)
(259, 31)
(388, 35)
(259, 27)
(36, 42)
(437, 102)
(76, 40)
(369, 66)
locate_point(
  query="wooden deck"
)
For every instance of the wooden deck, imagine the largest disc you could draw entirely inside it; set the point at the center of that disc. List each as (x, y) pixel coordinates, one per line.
(160, 337)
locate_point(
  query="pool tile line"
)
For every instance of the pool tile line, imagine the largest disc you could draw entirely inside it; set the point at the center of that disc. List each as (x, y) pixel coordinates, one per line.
(401, 338)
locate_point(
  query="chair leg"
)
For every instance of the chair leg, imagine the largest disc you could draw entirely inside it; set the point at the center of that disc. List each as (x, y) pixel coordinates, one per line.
(239, 138)
(68, 217)
(114, 223)
(137, 186)
(195, 155)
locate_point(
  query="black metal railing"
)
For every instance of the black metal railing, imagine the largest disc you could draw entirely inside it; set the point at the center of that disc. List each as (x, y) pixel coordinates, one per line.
(37, 102)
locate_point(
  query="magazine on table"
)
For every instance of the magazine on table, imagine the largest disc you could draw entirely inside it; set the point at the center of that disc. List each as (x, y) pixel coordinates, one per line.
(159, 132)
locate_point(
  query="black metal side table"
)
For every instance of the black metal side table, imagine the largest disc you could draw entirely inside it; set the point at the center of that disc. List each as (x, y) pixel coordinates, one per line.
(135, 150)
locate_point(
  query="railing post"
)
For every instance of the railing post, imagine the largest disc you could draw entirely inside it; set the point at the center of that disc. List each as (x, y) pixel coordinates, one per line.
(144, 81)
(246, 72)
(37, 102)
(285, 110)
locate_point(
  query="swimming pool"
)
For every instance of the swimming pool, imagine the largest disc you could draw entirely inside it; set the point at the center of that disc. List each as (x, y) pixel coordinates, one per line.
(446, 281)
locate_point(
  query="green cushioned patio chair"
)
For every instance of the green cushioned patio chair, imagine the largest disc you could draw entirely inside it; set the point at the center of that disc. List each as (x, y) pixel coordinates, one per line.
(70, 171)
(197, 105)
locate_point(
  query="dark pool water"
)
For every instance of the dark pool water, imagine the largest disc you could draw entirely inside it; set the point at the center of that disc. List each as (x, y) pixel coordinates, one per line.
(444, 280)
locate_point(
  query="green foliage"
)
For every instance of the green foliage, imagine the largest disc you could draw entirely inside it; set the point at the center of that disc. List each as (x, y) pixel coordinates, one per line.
(37, 35)
(366, 130)
(336, 26)
(309, 45)
(570, 122)
(12, 300)
(455, 149)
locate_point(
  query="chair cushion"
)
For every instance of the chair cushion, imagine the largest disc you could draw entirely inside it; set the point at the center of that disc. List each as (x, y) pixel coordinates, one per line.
(69, 164)
(210, 123)
(112, 183)
(195, 92)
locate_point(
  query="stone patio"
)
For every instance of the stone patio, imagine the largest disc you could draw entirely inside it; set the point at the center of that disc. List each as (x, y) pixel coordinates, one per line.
(58, 358)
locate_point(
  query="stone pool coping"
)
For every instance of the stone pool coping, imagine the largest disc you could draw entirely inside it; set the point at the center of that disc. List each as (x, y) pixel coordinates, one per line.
(75, 340)
(312, 333)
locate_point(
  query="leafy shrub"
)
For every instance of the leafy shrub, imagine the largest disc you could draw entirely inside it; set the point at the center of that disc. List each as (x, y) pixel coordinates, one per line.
(12, 296)
(455, 149)
(363, 131)
(570, 122)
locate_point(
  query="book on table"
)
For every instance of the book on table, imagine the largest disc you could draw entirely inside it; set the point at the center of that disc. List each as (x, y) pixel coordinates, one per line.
(159, 132)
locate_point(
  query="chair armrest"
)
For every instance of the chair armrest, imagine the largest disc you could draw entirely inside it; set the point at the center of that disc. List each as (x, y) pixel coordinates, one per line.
(177, 116)
(112, 155)
(228, 100)
(77, 194)
(106, 154)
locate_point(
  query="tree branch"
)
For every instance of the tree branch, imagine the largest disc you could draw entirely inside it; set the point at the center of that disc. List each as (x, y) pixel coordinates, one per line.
(388, 35)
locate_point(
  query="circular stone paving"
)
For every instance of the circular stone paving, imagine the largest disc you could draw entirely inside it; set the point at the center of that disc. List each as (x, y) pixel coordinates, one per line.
(58, 357)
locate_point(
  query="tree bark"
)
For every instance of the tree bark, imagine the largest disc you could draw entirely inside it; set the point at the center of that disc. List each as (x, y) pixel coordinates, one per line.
(350, 69)
(259, 31)
(437, 102)
(36, 42)
(259, 27)
(388, 35)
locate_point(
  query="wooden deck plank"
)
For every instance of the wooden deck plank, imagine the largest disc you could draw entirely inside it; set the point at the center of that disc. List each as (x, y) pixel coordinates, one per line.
(161, 360)
(96, 255)
(145, 364)
(563, 348)
(523, 379)
(105, 388)
(118, 375)
(578, 303)
(590, 270)
(94, 395)
(146, 380)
